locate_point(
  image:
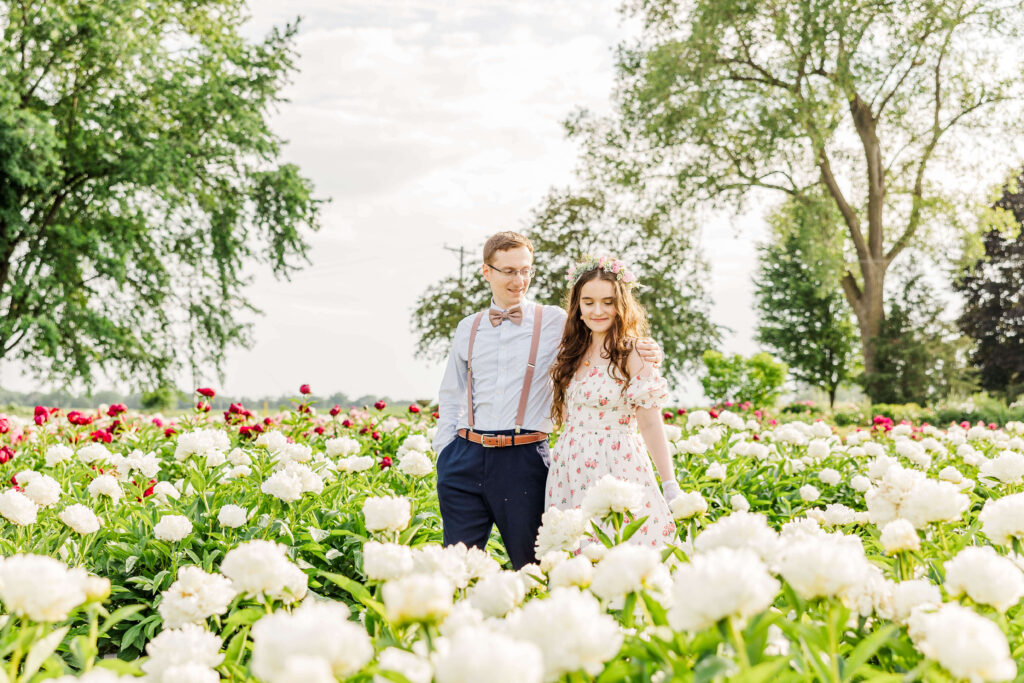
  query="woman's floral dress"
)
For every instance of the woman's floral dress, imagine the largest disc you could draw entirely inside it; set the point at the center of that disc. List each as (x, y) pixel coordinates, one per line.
(600, 437)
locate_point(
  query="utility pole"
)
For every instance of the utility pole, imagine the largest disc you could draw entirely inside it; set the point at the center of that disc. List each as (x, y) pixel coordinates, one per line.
(461, 251)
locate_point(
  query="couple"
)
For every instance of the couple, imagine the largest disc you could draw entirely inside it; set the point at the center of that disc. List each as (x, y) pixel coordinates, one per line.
(520, 368)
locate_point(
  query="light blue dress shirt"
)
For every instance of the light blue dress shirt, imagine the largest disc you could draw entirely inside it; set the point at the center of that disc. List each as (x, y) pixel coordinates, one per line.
(500, 355)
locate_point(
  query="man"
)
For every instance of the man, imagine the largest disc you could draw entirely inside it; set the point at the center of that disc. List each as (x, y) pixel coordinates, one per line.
(495, 405)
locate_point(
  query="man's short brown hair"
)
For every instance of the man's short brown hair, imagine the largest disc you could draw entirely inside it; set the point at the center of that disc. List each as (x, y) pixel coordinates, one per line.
(503, 241)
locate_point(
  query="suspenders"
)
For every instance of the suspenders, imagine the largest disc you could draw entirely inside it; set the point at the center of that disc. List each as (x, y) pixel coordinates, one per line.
(530, 366)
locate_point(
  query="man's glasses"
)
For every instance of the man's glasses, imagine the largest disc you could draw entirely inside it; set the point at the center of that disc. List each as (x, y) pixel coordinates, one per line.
(510, 273)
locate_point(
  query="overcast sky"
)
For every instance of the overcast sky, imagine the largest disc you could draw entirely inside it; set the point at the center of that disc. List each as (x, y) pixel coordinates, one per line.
(427, 123)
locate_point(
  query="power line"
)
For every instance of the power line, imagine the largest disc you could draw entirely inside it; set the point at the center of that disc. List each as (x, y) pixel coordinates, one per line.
(461, 251)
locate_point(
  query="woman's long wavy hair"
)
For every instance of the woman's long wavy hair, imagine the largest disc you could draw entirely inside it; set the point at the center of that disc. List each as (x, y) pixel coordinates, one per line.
(630, 324)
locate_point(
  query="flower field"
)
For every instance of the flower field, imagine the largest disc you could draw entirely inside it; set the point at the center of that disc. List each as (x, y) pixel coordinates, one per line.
(306, 547)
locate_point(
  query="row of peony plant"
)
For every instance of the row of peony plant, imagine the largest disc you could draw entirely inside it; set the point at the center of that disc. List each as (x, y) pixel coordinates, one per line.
(292, 554)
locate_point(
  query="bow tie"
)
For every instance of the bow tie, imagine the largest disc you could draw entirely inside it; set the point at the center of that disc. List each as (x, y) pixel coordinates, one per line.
(515, 316)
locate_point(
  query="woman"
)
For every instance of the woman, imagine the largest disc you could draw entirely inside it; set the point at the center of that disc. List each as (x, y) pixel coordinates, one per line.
(603, 391)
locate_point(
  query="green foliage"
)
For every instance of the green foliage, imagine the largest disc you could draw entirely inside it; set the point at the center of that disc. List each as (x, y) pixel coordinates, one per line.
(993, 292)
(804, 317)
(757, 379)
(655, 244)
(922, 358)
(717, 101)
(139, 180)
(162, 398)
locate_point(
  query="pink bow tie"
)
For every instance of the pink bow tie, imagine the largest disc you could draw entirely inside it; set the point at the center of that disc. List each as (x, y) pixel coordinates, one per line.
(514, 316)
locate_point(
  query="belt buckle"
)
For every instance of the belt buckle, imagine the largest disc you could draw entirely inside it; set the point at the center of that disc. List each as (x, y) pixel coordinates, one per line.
(483, 440)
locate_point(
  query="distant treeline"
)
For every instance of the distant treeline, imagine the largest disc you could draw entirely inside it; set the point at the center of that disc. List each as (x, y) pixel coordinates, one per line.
(182, 400)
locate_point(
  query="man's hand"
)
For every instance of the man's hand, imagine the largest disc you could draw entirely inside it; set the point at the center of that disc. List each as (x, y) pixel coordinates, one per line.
(650, 351)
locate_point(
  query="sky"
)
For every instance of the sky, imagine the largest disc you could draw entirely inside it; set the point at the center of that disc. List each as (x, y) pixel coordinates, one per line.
(428, 123)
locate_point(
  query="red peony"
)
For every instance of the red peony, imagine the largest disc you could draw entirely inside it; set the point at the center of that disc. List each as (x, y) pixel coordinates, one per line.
(414, 408)
(206, 391)
(667, 416)
(681, 411)
(116, 409)
(319, 430)
(335, 411)
(385, 462)
(304, 389)
(436, 415)
(380, 405)
(6, 453)
(346, 423)
(375, 436)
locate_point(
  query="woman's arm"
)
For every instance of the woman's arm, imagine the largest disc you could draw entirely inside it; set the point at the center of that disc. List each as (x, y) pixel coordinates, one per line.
(652, 429)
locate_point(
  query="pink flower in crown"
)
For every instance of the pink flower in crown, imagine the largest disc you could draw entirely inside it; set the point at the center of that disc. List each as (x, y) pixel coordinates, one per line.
(616, 266)
(628, 277)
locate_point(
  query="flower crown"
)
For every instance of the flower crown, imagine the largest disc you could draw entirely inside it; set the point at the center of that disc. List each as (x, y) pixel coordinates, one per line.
(606, 263)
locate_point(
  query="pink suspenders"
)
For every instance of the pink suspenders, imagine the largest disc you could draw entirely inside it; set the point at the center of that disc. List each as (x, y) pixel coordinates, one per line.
(524, 395)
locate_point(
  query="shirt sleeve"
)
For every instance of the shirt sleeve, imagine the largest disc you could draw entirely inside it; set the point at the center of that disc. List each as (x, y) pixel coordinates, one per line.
(451, 403)
(648, 390)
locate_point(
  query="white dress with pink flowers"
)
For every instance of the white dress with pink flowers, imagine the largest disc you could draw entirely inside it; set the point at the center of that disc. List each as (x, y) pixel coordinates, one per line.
(600, 437)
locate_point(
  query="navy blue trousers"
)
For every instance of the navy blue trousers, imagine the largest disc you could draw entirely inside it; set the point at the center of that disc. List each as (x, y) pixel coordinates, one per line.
(478, 487)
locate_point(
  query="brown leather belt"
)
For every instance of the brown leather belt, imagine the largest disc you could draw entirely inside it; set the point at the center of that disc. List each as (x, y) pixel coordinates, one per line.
(502, 440)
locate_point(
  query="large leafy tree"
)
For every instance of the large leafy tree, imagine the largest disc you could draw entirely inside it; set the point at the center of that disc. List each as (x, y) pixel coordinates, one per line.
(569, 224)
(862, 102)
(922, 357)
(993, 291)
(803, 316)
(139, 182)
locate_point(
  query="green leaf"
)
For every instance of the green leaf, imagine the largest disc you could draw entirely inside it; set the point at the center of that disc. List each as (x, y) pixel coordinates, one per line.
(601, 535)
(711, 667)
(41, 650)
(632, 528)
(866, 649)
(119, 615)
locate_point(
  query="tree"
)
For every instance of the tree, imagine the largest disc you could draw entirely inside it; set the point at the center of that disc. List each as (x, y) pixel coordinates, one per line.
(757, 379)
(721, 102)
(804, 318)
(569, 224)
(139, 181)
(922, 358)
(993, 291)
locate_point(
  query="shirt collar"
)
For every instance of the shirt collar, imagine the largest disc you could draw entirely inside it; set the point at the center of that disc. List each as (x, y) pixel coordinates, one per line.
(526, 304)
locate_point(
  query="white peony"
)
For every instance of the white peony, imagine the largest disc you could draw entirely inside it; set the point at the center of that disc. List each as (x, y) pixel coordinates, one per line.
(93, 452)
(967, 644)
(718, 584)
(1007, 467)
(195, 596)
(739, 503)
(860, 483)
(386, 561)
(172, 528)
(387, 513)
(40, 588)
(741, 530)
(342, 446)
(105, 485)
(173, 647)
(824, 565)
(985, 576)
(626, 569)
(698, 418)
(355, 464)
(716, 472)
(18, 508)
(809, 493)
(416, 669)
(610, 494)
(910, 595)
(688, 504)
(316, 637)
(80, 518)
(415, 463)
(201, 442)
(417, 597)
(261, 568)
(232, 516)
(164, 492)
(1002, 519)
(497, 594)
(829, 476)
(560, 530)
(57, 453)
(899, 535)
(576, 571)
(572, 631)
(283, 485)
(477, 654)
